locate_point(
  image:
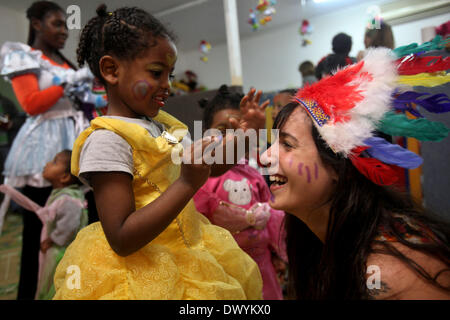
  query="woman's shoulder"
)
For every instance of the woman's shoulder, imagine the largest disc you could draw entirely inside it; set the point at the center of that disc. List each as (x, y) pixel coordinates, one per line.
(408, 228)
(17, 58)
(10, 46)
(390, 277)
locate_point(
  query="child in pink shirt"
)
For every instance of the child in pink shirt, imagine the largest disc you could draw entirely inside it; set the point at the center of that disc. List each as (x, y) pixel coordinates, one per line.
(237, 201)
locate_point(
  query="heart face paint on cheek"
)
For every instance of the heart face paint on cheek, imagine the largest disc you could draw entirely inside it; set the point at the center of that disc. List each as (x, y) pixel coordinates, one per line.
(272, 198)
(141, 89)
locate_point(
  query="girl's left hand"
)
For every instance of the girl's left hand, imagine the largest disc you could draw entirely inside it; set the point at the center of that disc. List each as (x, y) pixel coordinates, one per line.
(259, 215)
(253, 115)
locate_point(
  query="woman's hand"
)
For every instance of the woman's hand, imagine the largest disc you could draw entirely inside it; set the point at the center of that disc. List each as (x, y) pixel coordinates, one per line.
(253, 115)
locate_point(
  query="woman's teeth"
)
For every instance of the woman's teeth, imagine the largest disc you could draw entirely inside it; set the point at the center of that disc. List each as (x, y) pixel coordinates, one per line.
(278, 179)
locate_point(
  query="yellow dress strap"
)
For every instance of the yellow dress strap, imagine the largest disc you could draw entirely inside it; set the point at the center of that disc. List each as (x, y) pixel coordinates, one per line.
(129, 131)
(76, 150)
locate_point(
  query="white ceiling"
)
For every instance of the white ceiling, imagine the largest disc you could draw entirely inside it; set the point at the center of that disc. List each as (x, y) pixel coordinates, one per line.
(204, 20)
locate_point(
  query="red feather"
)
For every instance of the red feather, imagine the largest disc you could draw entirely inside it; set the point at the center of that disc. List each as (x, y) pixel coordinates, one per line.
(334, 94)
(375, 170)
(417, 65)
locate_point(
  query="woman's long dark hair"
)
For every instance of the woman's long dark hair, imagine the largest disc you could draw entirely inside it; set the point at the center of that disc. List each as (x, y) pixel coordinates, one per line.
(39, 10)
(336, 269)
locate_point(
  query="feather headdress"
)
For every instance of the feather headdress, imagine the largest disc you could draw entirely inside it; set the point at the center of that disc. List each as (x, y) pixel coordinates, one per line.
(349, 106)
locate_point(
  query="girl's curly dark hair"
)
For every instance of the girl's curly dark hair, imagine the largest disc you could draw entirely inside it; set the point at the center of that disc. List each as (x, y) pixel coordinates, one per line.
(124, 33)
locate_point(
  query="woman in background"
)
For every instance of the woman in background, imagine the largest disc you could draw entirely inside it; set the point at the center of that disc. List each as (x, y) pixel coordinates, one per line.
(39, 74)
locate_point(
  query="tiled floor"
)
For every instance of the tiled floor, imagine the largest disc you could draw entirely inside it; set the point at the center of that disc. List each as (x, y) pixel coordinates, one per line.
(10, 247)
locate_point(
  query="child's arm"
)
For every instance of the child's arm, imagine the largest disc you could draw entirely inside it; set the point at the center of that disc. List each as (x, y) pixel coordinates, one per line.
(127, 229)
(252, 117)
(67, 220)
(31, 98)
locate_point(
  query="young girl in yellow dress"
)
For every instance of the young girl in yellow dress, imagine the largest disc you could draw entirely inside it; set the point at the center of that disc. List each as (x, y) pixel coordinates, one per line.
(150, 242)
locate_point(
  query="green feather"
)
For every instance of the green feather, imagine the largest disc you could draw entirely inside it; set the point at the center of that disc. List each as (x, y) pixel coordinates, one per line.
(436, 44)
(397, 124)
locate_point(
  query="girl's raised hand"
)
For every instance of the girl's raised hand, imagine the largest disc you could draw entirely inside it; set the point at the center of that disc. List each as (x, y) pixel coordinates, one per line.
(253, 115)
(194, 170)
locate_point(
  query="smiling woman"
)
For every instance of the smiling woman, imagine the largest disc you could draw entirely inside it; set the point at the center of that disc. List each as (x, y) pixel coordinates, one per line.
(48, 31)
(340, 223)
(345, 215)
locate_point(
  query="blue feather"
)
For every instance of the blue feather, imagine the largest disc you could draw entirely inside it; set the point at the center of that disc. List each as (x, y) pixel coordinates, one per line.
(437, 103)
(392, 153)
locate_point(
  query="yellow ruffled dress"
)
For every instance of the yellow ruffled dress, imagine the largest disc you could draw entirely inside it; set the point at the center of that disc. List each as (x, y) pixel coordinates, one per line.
(190, 259)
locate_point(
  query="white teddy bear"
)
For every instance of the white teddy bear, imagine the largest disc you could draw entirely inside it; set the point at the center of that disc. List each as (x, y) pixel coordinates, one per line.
(239, 192)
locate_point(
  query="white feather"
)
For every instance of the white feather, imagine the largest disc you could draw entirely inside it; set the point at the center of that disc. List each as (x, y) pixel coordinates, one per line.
(342, 137)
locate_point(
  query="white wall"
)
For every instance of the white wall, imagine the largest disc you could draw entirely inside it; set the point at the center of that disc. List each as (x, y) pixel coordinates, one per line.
(270, 59)
(210, 74)
(411, 31)
(14, 25)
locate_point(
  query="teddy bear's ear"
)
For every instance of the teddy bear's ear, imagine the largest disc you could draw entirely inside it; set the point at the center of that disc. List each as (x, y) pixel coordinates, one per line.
(227, 184)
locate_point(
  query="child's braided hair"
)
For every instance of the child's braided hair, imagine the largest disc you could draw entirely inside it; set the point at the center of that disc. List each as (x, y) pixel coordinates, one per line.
(124, 33)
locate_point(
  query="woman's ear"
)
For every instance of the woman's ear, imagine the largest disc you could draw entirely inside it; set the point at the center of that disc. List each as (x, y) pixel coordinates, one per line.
(109, 68)
(36, 24)
(334, 176)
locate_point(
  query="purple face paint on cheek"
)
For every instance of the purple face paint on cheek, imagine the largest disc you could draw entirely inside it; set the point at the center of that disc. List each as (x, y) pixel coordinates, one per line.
(308, 174)
(272, 198)
(141, 89)
(300, 166)
(316, 171)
